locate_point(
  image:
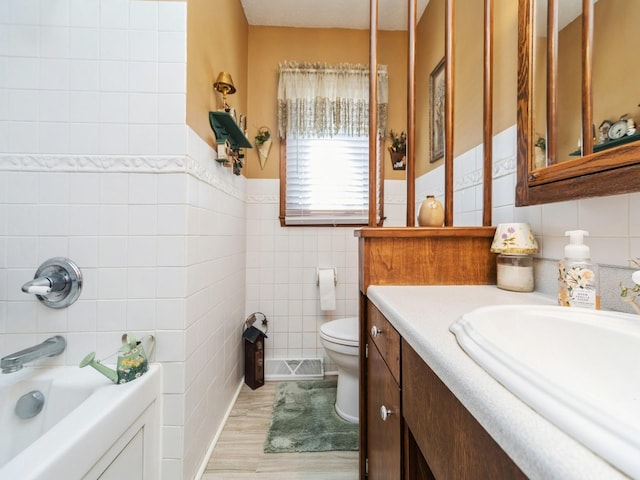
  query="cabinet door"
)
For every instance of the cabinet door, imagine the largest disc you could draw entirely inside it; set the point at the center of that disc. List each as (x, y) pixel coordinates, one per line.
(383, 434)
(452, 442)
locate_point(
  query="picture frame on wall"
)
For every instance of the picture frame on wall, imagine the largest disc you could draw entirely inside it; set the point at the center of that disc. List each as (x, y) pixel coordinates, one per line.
(436, 124)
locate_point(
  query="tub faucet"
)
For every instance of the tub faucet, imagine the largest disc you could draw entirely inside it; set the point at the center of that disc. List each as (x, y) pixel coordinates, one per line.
(49, 348)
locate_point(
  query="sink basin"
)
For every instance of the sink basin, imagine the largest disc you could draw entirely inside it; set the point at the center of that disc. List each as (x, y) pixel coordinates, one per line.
(578, 368)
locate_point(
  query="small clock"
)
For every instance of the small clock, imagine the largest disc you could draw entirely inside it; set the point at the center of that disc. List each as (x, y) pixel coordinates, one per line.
(618, 130)
(603, 131)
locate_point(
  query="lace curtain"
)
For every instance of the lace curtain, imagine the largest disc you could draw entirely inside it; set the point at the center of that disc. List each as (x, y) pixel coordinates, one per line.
(320, 100)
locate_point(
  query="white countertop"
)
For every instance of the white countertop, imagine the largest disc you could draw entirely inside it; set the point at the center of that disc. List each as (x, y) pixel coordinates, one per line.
(422, 315)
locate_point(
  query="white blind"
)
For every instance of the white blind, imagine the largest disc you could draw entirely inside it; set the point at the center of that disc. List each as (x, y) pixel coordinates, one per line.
(327, 181)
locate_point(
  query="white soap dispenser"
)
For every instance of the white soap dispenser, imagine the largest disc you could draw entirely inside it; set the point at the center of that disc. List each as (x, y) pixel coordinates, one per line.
(577, 276)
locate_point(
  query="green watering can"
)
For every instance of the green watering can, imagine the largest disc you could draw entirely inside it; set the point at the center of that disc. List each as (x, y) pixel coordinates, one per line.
(132, 360)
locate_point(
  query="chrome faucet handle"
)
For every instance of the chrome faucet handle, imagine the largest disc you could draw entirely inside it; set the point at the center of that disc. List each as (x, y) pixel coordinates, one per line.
(57, 283)
(36, 290)
(38, 286)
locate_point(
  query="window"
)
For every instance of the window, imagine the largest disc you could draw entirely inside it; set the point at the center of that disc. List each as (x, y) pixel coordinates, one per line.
(327, 181)
(323, 116)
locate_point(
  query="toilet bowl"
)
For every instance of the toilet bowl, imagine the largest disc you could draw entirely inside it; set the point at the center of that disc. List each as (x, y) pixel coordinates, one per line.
(340, 339)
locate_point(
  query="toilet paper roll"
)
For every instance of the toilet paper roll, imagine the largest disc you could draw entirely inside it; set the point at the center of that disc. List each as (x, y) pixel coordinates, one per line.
(327, 289)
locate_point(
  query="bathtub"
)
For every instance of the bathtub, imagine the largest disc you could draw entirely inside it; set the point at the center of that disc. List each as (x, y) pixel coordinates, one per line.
(88, 427)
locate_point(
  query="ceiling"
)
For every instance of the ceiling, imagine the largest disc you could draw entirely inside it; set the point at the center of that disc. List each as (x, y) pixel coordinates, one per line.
(392, 14)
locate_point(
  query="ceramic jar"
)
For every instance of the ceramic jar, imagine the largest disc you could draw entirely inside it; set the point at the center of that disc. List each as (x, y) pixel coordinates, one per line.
(515, 273)
(431, 213)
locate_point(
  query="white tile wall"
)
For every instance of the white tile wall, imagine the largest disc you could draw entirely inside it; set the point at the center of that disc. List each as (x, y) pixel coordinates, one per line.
(613, 236)
(92, 77)
(156, 226)
(146, 269)
(281, 275)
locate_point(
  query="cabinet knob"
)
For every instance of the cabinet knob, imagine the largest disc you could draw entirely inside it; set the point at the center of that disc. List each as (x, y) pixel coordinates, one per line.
(384, 413)
(375, 331)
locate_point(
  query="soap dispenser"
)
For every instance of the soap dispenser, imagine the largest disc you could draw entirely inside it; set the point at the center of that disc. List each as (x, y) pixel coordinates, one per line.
(577, 276)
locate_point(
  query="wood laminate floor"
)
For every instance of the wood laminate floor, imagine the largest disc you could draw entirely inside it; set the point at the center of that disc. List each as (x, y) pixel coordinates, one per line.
(238, 454)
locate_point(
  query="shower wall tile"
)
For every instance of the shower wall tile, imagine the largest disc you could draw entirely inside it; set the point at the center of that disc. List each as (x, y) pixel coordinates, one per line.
(161, 252)
(83, 77)
(138, 275)
(143, 15)
(114, 14)
(171, 17)
(84, 44)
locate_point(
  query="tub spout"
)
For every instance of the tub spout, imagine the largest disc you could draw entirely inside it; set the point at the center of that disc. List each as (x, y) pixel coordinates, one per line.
(49, 348)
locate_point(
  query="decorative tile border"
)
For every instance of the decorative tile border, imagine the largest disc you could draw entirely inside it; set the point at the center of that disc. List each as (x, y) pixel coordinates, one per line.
(504, 166)
(263, 198)
(206, 170)
(92, 163)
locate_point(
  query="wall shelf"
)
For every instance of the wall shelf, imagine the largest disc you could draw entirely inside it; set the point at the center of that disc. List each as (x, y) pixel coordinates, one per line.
(598, 147)
(225, 128)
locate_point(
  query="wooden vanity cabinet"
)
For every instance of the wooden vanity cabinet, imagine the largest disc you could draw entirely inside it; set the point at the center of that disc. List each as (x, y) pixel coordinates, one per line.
(407, 256)
(416, 429)
(384, 428)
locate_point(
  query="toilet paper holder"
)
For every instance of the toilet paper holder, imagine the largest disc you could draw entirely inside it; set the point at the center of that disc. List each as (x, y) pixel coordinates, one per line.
(335, 275)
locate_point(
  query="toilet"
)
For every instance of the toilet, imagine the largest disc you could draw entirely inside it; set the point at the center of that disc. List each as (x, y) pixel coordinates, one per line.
(340, 339)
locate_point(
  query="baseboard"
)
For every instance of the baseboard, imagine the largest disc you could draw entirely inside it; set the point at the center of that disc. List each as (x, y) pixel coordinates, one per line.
(216, 437)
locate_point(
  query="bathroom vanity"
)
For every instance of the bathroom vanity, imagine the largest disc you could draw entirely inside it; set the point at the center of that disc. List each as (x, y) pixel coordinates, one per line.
(427, 410)
(441, 438)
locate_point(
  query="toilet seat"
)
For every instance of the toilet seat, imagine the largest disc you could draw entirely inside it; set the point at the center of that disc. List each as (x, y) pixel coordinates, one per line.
(343, 331)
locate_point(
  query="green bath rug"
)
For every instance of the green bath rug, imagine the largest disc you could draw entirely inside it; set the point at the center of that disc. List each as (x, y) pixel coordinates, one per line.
(304, 420)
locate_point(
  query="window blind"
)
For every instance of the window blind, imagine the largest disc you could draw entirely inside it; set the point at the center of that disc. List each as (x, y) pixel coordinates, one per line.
(327, 181)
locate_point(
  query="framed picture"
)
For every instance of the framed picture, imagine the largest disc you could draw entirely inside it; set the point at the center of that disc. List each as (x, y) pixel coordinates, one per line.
(436, 124)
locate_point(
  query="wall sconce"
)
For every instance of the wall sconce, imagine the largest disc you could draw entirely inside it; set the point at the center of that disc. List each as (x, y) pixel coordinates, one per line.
(514, 242)
(224, 85)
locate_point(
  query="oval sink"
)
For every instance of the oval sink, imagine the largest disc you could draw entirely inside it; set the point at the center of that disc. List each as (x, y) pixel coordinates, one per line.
(578, 368)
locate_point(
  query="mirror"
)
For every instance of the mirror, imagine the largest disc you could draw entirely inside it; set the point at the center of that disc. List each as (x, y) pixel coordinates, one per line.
(566, 58)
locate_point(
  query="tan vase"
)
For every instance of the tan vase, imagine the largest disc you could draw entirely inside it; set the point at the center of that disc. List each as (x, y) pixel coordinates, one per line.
(431, 213)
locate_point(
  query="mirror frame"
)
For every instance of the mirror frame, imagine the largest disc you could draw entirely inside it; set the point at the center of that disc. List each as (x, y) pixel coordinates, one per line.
(609, 172)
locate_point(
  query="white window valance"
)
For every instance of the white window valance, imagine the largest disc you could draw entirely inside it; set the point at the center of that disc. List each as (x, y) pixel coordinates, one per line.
(320, 100)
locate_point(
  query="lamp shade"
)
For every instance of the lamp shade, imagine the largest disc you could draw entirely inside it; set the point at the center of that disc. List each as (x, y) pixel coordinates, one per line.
(224, 84)
(514, 239)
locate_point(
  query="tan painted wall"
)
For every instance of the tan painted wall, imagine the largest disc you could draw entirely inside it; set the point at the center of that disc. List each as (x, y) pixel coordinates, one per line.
(505, 64)
(429, 52)
(468, 73)
(217, 39)
(269, 46)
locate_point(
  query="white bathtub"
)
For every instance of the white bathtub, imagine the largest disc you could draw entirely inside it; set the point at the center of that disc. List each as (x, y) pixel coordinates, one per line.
(88, 428)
